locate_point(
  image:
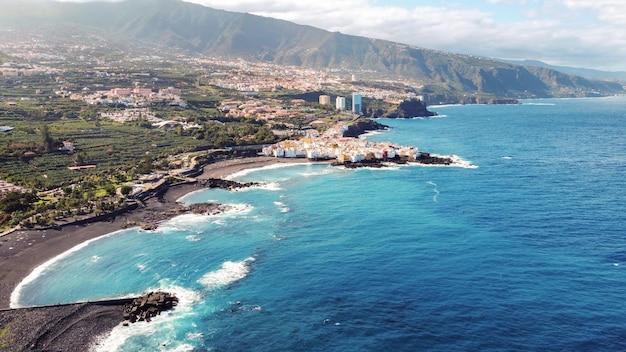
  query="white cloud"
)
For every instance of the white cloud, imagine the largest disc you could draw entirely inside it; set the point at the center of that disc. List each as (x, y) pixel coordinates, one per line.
(569, 32)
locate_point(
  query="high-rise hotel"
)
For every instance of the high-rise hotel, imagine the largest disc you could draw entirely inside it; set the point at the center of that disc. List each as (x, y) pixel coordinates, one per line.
(356, 103)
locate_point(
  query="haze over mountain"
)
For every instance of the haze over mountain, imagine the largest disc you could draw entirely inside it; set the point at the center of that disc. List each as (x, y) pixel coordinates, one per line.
(577, 71)
(211, 32)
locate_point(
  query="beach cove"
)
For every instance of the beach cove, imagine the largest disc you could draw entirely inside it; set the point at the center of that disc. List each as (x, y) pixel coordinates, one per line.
(23, 251)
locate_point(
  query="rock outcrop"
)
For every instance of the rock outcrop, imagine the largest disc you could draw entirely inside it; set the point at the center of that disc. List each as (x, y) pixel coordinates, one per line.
(409, 109)
(361, 126)
(148, 306)
(227, 184)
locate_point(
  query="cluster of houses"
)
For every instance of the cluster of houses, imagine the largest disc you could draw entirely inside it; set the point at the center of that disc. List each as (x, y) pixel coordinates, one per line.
(131, 97)
(340, 149)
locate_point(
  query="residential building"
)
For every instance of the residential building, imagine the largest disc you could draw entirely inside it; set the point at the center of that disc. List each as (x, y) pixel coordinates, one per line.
(324, 99)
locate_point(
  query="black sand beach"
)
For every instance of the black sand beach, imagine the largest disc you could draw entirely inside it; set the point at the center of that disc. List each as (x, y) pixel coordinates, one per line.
(74, 327)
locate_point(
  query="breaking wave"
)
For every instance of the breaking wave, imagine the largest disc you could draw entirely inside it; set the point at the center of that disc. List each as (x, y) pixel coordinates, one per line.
(229, 273)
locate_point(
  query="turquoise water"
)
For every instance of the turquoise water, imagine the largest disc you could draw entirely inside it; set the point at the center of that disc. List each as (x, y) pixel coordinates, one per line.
(525, 252)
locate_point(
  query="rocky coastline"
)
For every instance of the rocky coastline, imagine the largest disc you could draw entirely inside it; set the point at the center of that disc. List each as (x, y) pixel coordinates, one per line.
(410, 109)
(424, 158)
(154, 216)
(361, 126)
(74, 327)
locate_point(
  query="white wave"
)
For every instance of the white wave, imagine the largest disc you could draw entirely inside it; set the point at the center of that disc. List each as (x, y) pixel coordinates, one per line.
(456, 161)
(445, 105)
(540, 104)
(187, 222)
(181, 348)
(194, 335)
(326, 171)
(161, 329)
(38, 271)
(193, 238)
(142, 268)
(282, 206)
(436, 190)
(237, 208)
(369, 134)
(278, 165)
(270, 186)
(506, 157)
(95, 258)
(229, 273)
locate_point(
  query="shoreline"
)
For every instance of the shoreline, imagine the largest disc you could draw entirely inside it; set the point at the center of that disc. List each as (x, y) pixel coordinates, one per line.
(71, 327)
(22, 251)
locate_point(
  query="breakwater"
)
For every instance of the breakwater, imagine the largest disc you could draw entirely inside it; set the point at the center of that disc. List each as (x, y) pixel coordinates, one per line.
(75, 326)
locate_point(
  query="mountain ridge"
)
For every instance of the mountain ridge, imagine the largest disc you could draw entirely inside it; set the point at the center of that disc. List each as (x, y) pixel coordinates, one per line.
(207, 31)
(576, 71)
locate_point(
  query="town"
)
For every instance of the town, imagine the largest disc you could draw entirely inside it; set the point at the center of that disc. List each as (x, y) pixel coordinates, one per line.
(81, 131)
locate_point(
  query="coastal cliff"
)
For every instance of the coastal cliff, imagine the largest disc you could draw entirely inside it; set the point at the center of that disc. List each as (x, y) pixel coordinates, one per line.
(361, 126)
(409, 109)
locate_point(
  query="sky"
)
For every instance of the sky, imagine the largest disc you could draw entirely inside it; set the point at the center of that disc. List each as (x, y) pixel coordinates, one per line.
(576, 33)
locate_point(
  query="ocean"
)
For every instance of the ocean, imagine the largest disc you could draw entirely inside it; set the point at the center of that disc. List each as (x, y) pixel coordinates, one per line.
(523, 251)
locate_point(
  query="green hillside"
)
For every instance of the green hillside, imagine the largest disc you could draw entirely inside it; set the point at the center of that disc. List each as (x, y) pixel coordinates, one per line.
(199, 29)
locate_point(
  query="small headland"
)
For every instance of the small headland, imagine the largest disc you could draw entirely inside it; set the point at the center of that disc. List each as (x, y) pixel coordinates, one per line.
(423, 158)
(154, 215)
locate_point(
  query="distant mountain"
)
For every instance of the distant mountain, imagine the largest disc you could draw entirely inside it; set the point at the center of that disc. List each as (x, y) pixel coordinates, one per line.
(578, 71)
(199, 29)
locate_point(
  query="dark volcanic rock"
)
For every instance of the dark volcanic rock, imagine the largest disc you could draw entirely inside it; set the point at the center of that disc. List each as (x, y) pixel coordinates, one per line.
(362, 125)
(409, 109)
(148, 306)
(227, 184)
(426, 158)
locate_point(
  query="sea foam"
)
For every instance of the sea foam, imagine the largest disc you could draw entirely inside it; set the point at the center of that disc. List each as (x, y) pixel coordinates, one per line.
(282, 207)
(161, 330)
(229, 273)
(245, 172)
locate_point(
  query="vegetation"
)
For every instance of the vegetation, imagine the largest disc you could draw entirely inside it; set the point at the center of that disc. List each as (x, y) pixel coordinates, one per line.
(211, 32)
(91, 175)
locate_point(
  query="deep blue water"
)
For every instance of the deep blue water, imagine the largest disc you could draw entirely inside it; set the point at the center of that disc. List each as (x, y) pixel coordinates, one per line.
(526, 252)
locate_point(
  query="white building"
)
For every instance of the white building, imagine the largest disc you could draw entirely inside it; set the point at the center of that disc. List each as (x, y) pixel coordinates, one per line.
(340, 103)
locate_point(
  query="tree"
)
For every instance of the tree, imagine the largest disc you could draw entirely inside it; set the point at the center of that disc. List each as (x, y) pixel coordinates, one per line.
(48, 142)
(16, 201)
(125, 190)
(145, 165)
